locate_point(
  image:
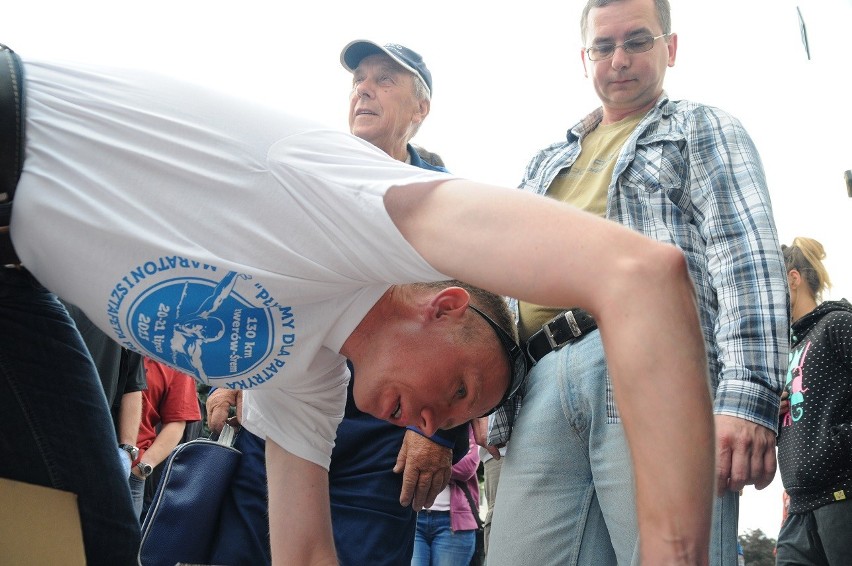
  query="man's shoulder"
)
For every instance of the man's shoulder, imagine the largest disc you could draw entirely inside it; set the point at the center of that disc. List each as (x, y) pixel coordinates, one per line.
(430, 167)
(425, 159)
(690, 112)
(686, 121)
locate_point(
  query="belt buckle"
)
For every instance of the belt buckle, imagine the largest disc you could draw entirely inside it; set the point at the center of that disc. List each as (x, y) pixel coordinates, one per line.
(549, 332)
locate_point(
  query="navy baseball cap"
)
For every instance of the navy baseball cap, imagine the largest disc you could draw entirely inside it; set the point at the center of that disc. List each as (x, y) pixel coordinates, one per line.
(355, 51)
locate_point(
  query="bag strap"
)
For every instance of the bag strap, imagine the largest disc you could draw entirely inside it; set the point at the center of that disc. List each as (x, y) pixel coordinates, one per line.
(227, 436)
(12, 121)
(470, 502)
(12, 131)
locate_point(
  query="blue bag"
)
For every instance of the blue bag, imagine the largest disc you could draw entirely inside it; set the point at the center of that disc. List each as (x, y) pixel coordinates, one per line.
(183, 515)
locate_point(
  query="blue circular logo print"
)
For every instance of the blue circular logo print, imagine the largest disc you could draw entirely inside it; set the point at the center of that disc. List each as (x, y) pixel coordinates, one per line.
(205, 328)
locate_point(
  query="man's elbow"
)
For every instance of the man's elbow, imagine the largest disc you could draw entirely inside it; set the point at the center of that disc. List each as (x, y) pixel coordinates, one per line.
(652, 269)
(674, 267)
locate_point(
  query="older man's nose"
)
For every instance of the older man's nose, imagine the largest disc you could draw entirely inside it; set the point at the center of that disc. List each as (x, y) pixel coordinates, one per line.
(363, 90)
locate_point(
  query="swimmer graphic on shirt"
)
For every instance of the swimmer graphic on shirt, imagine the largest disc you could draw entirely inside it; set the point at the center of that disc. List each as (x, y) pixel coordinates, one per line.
(192, 331)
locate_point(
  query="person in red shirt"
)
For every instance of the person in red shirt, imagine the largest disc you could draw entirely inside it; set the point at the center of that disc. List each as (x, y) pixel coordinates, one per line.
(168, 404)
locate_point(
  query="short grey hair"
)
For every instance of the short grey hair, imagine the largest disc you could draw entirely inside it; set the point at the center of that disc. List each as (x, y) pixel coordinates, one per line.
(420, 90)
(421, 94)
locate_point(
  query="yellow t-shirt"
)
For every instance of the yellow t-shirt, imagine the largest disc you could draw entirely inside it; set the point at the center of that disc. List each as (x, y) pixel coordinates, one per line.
(584, 185)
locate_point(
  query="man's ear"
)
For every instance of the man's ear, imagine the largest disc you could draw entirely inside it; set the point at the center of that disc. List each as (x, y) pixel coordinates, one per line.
(583, 59)
(451, 301)
(672, 48)
(423, 108)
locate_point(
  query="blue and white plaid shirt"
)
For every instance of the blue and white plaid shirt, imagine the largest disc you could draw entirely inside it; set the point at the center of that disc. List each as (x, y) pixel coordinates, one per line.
(690, 175)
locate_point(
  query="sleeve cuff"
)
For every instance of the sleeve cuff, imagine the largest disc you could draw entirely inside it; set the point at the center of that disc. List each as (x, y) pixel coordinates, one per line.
(437, 438)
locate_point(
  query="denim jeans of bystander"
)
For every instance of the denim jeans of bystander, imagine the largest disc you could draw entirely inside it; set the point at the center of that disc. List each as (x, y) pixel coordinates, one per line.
(566, 493)
(436, 544)
(58, 431)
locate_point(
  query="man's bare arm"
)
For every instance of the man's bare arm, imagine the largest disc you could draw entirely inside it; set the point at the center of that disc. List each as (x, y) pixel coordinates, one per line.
(545, 252)
(299, 510)
(167, 439)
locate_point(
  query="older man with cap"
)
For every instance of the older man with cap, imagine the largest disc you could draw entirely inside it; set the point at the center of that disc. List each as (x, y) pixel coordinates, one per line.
(380, 474)
(391, 96)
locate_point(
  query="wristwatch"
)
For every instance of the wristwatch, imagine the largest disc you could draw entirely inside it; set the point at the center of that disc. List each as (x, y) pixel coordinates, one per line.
(144, 469)
(130, 449)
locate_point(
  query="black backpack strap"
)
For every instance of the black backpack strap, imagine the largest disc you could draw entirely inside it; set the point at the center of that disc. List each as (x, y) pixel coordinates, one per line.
(12, 136)
(473, 508)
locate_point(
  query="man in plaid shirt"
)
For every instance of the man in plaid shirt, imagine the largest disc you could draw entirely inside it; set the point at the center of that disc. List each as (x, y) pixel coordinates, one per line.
(680, 173)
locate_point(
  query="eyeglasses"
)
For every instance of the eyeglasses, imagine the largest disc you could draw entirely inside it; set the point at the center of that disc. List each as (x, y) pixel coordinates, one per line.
(517, 360)
(641, 44)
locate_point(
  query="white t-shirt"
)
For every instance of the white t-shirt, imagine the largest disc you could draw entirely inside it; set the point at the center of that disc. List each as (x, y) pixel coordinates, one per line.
(229, 240)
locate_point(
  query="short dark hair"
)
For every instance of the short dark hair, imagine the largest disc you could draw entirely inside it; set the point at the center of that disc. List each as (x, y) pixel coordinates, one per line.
(664, 15)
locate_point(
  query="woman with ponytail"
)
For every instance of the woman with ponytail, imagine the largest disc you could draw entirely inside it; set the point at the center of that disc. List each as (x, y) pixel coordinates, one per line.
(815, 438)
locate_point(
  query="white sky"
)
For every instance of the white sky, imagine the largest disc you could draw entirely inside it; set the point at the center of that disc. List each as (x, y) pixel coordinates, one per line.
(507, 82)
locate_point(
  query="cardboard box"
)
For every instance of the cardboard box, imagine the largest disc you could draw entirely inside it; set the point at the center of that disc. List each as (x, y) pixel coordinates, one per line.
(39, 525)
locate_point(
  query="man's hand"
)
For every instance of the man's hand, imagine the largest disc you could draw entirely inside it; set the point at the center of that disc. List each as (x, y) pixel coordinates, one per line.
(785, 403)
(745, 454)
(219, 404)
(480, 434)
(426, 467)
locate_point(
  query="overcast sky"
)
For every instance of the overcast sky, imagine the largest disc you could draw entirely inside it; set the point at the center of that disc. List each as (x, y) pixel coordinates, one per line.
(507, 82)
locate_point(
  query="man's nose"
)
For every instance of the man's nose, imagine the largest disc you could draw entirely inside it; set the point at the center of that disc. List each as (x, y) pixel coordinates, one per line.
(428, 422)
(621, 58)
(363, 91)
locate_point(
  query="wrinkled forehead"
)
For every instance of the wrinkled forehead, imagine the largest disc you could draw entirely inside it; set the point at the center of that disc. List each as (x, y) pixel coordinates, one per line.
(381, 62)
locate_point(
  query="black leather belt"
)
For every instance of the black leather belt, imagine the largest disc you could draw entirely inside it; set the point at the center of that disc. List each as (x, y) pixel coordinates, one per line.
(560, 330)
(12, 129)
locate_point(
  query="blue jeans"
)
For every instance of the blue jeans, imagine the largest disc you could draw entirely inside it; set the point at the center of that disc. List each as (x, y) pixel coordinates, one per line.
(57, 427)
(137, 495)
(436, 544)
(566, 492)
(822, 537)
